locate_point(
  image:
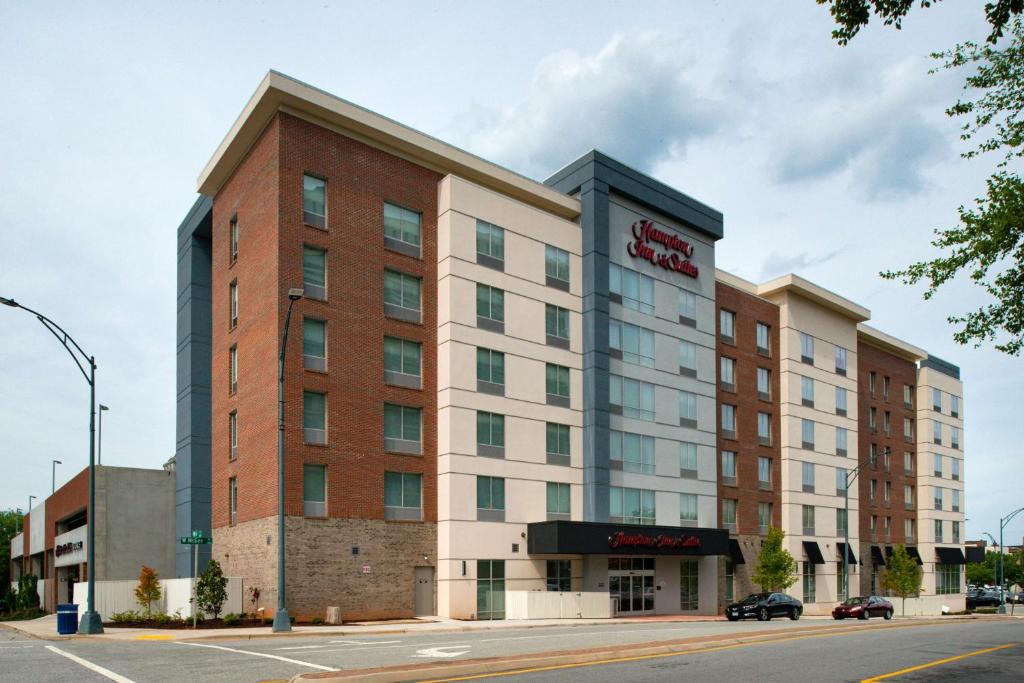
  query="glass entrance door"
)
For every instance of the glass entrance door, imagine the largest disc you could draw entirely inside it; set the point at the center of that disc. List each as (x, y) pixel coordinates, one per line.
(631, 583)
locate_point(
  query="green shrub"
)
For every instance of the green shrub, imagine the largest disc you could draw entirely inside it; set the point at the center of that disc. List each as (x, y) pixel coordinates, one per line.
(126, 617)
(232, 619)
(317, 621)
(986, 610)
(160, 618)
(211, 589)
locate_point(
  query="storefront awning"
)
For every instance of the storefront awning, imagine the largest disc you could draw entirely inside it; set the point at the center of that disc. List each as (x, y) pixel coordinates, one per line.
(877, 558)
(735, 552)
(950, 556)
(813, 552)
(912, 551)
(599, 538)
(850, 557)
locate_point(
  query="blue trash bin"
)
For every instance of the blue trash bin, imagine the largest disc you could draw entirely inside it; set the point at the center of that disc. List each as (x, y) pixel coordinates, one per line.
(67, 619)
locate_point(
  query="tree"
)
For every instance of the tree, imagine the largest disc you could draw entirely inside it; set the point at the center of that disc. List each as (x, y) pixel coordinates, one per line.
(981, 573)
(902, 575)
(148, 590)
(211, 590)
(775, 569)
(851, 15)
(10, 520)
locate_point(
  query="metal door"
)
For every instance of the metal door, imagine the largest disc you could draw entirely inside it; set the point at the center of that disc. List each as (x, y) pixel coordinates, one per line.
(424, 591)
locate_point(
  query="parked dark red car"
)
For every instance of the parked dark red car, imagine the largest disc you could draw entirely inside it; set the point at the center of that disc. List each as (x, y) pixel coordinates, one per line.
(863, 608)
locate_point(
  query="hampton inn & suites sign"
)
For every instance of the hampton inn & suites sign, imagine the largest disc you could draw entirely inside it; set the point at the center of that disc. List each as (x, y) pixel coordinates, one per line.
(661, 248)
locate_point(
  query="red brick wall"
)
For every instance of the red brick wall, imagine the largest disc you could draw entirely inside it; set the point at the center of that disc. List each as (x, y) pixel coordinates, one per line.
(69, 499)
(749, 311)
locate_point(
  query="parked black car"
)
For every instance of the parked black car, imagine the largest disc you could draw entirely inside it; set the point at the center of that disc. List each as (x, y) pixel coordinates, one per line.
(982, 597)
(764, 606)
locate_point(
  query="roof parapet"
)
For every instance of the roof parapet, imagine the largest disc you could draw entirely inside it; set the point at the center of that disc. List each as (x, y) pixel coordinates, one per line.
(815, 293)
(890, 344)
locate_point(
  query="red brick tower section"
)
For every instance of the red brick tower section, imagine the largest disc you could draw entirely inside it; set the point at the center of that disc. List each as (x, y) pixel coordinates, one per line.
(352, 557)
(879, 368)
(748, 489)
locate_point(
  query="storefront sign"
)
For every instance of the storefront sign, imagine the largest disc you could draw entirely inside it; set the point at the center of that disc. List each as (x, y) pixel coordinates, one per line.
(624, 540)
(65, 548)
(69, 547)
(649, 243)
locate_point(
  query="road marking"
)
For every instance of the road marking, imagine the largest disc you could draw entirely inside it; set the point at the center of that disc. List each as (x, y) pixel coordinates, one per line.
(15, 647)
(89, 665)
(938, 663)
(440, 652)
(156, 636)
(258, 654)
(301, 647)
(363, 642)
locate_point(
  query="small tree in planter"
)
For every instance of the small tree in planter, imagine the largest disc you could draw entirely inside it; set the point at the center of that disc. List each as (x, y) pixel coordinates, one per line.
(775, 569)
(148, 591)
(211, 590)
(902, 576)
(254, 600)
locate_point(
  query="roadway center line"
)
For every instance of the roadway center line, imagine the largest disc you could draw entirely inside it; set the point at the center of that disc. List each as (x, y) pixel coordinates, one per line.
(258, 654)
(938, 663)
(89, 665)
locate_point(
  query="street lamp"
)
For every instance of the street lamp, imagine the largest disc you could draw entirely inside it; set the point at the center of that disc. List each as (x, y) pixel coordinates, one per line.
(91, 622)
(1002, 577)
(850, 476)
(53, 487)
(99, 454)
(282, 622)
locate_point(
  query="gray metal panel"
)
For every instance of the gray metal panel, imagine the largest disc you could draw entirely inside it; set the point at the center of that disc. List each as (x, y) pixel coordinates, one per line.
(939, 365)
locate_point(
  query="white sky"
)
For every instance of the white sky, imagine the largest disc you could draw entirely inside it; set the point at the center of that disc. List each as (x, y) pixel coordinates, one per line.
(831, 162)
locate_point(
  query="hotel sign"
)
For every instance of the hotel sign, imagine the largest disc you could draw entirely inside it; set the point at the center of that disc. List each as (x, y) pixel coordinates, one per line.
(563, 537)
(622, 539)
(661, 248)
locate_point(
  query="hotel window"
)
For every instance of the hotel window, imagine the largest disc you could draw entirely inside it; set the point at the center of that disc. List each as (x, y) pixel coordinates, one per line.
(873, 419)
(233, 304)
(687, 508)
(729, 468)
(956, 532)
(938, 531)
(490, 245)
(840, 361)
(809, 582)
(871, 384)
(954, 437)
(956, 499)
(841, 441)
(402, 230)
(885, 458)
(314, 201)
(908, 529)
(490, 308)
(954, 464)
(556, 267)
(887, 527)
(908, 462)
(559, 575)
(402, 362)
(490, 371)
(688, 459)
(687, 307)
(687, 358)
(631, 343)
(764, 472)
(874, 526)
(873, 490)
(885, 388)
(729, 514)
(730, 580)
(764, 429)
(232, 500)
(631, 452)
(728, 373)
(314, 490)
(840, 401)
(728, 421)
(233, 433)
(402, 296)
(807, 391)
(631, 289)
(908, 396)
(233, 369)
(688, 409)
(314, 273)
(556, 325)
(947, 579)
(764, 517)
(937, 497)
(806, 348)
(937, 466)
(234, 238)
(885, 422)
(631, 398)
(908, 497)
(954, 406)
(490, 433)
(557, 441)
(557, 384)
(807, 434)
(630, 506)
(314, 344)
(908, 430)
(314, 417)
(490, 589)
(764, 345)
(402, 429)
(840, 480)
(807, 476)
(727, 325)
(808, 519)
(937, 400)
(841, 522)
(936, 431)
(689, 584)
(887, 492)
(403, 498)
(873, 455)
(490, 499)
(558, 500)
(764, 384)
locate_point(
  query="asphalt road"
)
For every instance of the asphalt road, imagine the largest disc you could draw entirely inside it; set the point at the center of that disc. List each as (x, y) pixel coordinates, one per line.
(821, 658)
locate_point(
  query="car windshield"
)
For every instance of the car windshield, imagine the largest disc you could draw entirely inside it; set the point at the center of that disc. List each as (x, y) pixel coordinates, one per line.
(754, 599)
(856, 601)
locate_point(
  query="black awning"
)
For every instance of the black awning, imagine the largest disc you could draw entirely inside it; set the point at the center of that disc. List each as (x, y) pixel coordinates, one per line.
(950, 556)
(912, 551)
(598, 538)
(735, 552)
(975, 554)
(850, 557)
(876, 556)
(813, 552)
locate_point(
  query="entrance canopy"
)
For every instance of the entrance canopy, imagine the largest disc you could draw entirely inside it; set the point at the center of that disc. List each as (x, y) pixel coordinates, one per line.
(597, 538)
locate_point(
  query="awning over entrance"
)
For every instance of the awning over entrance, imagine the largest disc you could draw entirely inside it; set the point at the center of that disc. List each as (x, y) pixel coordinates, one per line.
(877, 558)
(735, 552)
(950, 556)
(912, 551)
(850, 557)
(813, 552)
(598, 538)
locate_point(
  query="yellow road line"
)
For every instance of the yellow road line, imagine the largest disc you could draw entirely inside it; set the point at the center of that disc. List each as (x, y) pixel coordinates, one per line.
(937, 663)
(154, 637)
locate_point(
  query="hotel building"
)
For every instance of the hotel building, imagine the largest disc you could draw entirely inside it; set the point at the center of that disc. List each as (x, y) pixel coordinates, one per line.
(496, 387)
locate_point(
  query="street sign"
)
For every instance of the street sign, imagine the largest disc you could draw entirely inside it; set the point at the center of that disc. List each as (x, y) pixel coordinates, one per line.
(188, 540)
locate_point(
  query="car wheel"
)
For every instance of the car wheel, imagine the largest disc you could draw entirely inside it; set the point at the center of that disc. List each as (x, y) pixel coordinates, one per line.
(864, 615)
(762, 614)
(794, 613)
(888, 615)
(837, 617)
(732, 618)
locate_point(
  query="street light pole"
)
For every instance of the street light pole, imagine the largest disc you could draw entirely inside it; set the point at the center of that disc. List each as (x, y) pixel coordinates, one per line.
(53, 487)
(99, 454)
(850, 476)
(91, 622)
(1002, 577)
(282, 622)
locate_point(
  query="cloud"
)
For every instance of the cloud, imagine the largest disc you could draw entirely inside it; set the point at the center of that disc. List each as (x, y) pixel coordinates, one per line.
(632, 100)
(777, 264)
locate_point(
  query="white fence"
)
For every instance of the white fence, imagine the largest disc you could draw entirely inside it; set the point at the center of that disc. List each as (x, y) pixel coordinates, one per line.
(119, 596)
(928, 605)
(552, 605)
